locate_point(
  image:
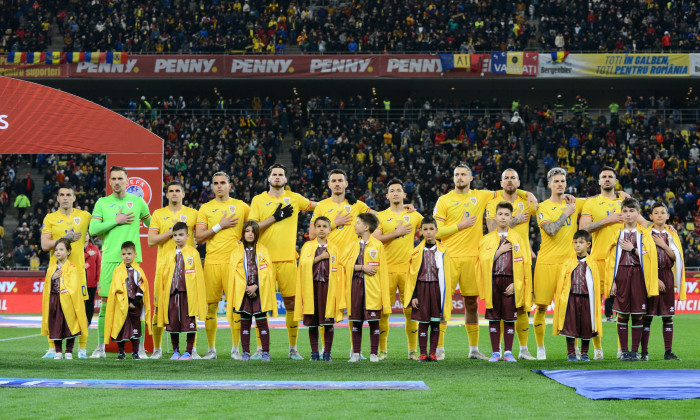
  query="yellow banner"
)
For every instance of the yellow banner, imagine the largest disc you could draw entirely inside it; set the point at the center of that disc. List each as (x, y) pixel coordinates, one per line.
(462, 61)
(631, 65)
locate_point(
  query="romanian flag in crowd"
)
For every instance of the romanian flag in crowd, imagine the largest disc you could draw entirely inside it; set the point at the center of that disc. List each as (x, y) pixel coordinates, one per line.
(559, 56)
(457, 62)
(521, 63)
(70, 57)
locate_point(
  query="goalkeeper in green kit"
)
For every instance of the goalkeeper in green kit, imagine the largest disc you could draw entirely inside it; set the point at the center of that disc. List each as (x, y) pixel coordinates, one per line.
(117, 219)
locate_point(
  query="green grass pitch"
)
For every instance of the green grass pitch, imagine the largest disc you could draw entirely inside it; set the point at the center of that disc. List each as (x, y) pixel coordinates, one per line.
(458, 387)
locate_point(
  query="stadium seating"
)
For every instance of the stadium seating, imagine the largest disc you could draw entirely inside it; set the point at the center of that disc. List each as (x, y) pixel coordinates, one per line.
(257, 26)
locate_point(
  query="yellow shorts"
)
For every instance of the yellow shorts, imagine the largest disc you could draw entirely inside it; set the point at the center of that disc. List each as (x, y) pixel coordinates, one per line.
(286, 273)
(546, 276)
(215, 280)
(397, 280)
(464, 274)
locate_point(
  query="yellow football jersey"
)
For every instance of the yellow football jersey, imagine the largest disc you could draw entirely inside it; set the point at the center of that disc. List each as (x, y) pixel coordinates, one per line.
(164, 219)
(280, 238)
(449, 210)
(556, 249)
(220, 246)
(521, 205)
(343, 236)
(398, 251)
(598, 208)
(57, 224)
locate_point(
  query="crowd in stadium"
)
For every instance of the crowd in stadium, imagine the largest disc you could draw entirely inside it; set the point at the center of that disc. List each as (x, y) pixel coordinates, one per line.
(256, 26)
(657, 157)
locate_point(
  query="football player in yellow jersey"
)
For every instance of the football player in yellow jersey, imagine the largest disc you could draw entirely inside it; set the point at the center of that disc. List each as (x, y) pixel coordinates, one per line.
(557, 219)
(601, 216)
(219, 223)
(277, 214)
(459, 215)
(72, 224)
(397, 229)
(161, 233)
(342, 210)
(510, 181)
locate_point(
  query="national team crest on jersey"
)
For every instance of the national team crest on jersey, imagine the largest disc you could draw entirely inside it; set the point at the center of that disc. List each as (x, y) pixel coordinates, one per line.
(129, 204)
(140, 188)
(260, 258)
(541, 216)
(232, 209)
(516, 247)
(183, 218)
(619, 202)
(348, 208)
(287, 201)
(333, 259)
(407, 218)
(473, 200)
(521, 206)
(190, 260)
(373, 253)
(76, 220)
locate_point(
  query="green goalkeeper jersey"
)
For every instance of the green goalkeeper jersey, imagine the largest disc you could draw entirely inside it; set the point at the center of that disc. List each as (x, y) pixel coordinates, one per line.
(104, 224)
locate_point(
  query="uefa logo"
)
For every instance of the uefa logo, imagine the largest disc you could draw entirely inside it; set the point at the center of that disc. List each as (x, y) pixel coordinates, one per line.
(140, 188)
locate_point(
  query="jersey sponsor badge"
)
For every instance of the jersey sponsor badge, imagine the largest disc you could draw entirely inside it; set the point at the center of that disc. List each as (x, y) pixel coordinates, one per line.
(262, 266)
(76, 220)
(516, 247)
(287, 201)
(190, 271)
(129, 204)
(473, 200)
(407, 218)
(373, 253)
(348, 207)
(190, 260)
(183, 218)
(517, 259)
(521, 206)
(232, 209)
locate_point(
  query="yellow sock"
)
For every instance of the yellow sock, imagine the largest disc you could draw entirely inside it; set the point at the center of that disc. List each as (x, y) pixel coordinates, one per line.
(472, 334)
(210, 323)
(292, 328)
(596, 342)
(236, 330)
(158, 337)
(539, 324)
(82, 341)
(443, 329)
(321, 332)
(51, 344)
(500, 339)
(522, 327)
(257, 336)
(411, 330)
(383, 332)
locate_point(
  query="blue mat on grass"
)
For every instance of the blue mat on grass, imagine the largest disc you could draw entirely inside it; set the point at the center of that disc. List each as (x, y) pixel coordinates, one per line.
(215, 385)
(630, 384)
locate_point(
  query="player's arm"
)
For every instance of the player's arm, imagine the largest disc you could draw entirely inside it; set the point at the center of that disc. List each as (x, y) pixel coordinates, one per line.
(145, 215)
(99, 226)
(156, 238)
(385, 238)
(490, 215)
(47, 243)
